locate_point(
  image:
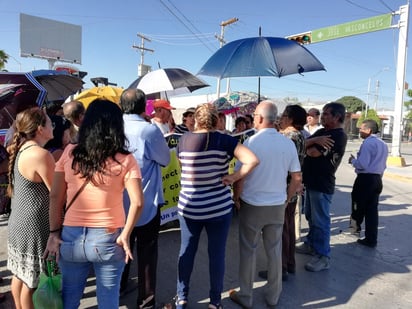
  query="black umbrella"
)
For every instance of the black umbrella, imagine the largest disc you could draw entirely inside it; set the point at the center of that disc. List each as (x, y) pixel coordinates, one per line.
(59, 84)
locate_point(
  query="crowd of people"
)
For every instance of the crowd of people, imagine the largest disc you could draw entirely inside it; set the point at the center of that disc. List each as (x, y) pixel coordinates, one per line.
(96, 193)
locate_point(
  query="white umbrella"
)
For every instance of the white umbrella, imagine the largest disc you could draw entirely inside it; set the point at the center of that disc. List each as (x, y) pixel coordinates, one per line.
(169, 81)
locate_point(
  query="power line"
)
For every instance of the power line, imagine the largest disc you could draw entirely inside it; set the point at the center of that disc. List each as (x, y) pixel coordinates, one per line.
(181, 21)
(387, 6)
(364, 8)
(180, 36)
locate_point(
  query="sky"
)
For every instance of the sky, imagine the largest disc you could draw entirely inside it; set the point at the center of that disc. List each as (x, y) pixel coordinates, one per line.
(182, 35)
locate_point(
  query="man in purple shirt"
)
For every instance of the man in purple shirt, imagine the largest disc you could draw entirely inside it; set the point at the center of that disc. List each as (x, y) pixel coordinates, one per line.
(369, 165)
(150, 149)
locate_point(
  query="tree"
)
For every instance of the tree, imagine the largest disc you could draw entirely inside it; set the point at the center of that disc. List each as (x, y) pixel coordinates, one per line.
(408, 116)
(3, 59)
(372, 114)
(352, 104)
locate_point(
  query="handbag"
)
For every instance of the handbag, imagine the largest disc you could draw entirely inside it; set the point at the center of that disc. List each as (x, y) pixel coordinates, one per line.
(48, 293)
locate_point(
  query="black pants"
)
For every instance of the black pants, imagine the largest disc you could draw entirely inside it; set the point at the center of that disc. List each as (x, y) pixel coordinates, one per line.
(146, 239)
(365, 199)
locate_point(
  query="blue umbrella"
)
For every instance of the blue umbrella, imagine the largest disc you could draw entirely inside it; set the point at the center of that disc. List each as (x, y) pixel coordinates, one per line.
(260, 56)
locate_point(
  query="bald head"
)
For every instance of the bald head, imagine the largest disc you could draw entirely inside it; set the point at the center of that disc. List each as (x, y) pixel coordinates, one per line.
(74, 112)
(265, 115)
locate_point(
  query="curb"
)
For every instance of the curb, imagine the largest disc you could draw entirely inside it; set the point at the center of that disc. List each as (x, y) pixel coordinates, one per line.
(398, 177)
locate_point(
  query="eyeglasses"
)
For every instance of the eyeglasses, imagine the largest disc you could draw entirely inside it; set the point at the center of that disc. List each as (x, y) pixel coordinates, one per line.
(254, 114)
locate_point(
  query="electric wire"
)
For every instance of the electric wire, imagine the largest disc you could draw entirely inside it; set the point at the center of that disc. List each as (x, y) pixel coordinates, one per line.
(184, 24)
(362, 7)
(387, 6)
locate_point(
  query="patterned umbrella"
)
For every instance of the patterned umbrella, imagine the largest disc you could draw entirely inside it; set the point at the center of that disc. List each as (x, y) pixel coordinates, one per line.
(18, 91)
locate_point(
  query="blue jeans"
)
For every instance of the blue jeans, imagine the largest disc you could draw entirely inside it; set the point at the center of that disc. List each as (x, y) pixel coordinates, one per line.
(83, 247)
(317, 206)
(217, 231)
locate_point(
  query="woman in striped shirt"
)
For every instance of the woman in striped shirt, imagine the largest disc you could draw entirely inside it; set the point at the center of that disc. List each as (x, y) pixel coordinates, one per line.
(205, 199)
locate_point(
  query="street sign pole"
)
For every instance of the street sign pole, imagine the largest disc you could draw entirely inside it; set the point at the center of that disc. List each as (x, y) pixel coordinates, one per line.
(395, 158)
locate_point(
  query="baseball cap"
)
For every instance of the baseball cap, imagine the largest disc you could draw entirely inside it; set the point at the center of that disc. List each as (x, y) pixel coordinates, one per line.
(162, 104)
(190, 110)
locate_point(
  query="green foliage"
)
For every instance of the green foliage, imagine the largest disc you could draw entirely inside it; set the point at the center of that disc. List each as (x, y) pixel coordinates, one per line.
(372, 114)
(408, 115)
(352, 104)
(3, 59)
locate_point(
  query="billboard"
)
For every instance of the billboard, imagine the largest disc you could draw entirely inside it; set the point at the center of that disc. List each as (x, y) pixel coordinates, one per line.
(49, 39)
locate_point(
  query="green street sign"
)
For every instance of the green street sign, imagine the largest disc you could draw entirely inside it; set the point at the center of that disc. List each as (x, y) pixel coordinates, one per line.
(371, 24)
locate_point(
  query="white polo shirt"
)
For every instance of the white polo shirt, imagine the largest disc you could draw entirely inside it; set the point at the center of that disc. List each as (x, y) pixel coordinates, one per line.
(266, 184)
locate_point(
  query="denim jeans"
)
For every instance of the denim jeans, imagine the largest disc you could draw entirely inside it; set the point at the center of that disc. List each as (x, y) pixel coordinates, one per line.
(317, 206)
(83, 247)
(217, 231)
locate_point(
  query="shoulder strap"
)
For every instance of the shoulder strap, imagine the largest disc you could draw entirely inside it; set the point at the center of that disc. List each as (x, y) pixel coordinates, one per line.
(76, 195)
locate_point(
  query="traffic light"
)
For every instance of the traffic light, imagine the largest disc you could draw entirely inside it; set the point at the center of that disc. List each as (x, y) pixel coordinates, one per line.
(302, 38)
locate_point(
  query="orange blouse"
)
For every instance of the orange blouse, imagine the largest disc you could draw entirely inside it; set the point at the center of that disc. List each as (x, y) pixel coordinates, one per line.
(101, 205)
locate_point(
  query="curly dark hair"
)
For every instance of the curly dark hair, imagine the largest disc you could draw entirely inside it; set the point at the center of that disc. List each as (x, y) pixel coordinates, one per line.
(298, 115)
(101, 137)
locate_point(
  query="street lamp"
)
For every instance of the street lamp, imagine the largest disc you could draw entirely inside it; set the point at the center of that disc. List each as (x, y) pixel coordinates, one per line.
(369, 87)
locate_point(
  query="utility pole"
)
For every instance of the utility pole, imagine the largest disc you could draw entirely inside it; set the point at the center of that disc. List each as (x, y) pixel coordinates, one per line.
(367, 98)
(376, 96)
(222, 41)
(143, 69)
(395, 158)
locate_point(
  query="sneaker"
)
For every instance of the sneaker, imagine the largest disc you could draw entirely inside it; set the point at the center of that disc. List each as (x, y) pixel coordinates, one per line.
(318, 263)
(304, 248)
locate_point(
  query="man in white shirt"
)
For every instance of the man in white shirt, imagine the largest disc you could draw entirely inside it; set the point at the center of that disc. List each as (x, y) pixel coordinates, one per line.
(261, 198)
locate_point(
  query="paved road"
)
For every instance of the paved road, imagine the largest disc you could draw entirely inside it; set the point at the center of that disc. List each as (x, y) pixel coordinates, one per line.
(359, 277)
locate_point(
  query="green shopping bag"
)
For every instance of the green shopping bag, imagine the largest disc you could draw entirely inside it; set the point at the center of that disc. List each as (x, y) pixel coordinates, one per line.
(48, 293)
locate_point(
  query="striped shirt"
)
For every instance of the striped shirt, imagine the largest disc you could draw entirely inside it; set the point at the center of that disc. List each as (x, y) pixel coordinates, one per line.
(205, 158)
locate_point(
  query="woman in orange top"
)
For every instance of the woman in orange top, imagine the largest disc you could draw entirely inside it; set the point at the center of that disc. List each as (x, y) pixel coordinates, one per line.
(95, 230)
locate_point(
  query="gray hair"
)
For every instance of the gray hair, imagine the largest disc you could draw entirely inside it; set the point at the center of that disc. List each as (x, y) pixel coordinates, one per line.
(269, 110)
